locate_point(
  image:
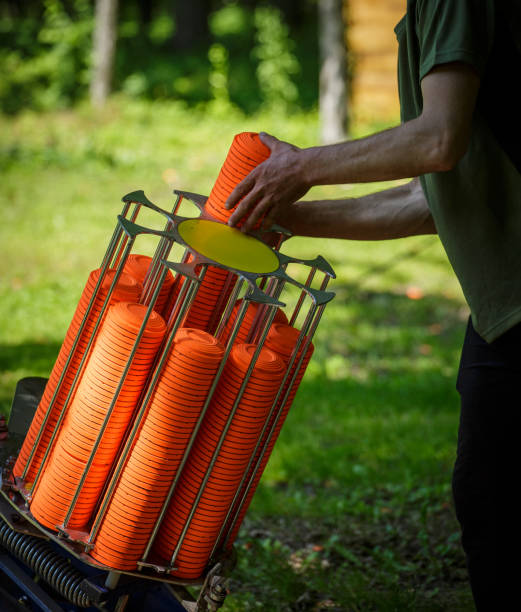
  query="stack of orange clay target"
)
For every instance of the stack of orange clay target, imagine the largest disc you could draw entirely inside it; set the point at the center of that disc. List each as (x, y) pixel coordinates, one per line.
(246, 153)
(55, 491)
(231, 461)
(174, 410)
(211, 299)
(138, 267)
(154, 429)
(127, 289)
(282, 339)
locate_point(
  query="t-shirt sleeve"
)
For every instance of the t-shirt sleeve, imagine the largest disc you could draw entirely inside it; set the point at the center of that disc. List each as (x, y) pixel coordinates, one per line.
(454, 31)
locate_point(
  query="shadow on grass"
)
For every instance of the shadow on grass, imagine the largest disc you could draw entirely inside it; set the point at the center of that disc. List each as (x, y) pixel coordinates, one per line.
(20, 360)
(404, 306)
(364, 333)
(39, 356)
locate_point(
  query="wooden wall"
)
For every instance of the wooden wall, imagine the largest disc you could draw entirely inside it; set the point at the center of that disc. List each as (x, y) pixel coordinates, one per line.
(373, 54)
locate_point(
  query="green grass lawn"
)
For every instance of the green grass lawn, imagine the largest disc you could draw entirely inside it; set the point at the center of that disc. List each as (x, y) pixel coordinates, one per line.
(354, 511)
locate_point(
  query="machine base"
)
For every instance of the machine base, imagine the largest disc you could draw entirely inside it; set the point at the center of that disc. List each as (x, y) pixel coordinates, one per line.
(38, 572)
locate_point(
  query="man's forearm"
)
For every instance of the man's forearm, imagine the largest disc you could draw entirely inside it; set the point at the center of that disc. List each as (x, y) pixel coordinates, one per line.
(433, 142)
(405, 151)
(393, 213)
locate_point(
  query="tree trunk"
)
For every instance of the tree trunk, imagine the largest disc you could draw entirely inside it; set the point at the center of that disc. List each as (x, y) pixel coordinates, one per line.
(145, 13)
(191, 23)
(104, 47)
(333, 71)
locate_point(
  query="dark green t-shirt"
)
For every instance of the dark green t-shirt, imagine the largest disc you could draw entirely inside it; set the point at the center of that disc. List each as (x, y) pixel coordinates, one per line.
(477, 205)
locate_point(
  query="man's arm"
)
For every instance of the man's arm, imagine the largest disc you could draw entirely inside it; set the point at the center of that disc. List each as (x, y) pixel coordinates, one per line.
(393, 213)
(433, 142)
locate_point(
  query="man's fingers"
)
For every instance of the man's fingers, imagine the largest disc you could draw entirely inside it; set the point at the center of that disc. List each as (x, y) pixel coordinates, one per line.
(239, 192)
(269, 219)
(261, 208)
(269, 140)
(246, 198)
(235, 217)
(245, 205)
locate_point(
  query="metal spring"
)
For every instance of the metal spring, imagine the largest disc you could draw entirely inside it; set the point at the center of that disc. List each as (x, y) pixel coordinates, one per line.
(47, 564)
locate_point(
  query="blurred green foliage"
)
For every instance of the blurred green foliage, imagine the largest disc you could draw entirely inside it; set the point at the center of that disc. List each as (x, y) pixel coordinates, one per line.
(44, 61)
(270, 50)
(277, 62)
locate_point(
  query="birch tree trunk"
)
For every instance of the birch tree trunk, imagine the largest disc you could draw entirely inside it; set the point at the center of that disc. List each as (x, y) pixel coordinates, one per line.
(104, 47)
(333, 71)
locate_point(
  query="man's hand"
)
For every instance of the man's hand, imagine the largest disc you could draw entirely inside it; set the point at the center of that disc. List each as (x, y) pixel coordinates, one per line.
(277, 182)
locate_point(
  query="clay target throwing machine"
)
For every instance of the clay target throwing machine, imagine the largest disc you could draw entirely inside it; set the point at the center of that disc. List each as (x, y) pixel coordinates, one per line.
(184, 510)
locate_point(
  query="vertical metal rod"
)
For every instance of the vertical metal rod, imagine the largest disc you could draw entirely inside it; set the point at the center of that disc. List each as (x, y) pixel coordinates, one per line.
(182, 298)
(273, 281)
(235, 330)
(133, 218)
(308, 334)
(162, 252)
(116, 235)
(108, 415)
(182, 290)
(295, 352)
(83, 361)
(325, 282)
(302, 296)
(212, 323)
(190, 293)
(274, 290)
(262, 282)
(184, 285)
(229, 308)
(177, 203)
(177, 311)
(111, 248)
(279, 242)
(276, 248)
(153, 274)
(112, 579)
(219, 444)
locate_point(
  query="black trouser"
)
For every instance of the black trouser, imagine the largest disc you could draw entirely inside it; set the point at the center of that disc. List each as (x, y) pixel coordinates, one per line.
(486, 476)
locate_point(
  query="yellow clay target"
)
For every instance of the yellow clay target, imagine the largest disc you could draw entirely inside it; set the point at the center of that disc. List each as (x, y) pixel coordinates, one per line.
(228, 246)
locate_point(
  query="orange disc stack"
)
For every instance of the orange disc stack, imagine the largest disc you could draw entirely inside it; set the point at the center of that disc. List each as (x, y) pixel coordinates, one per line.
(248, 321)
(282, 339)
(210, 301)
(174, 409)
(230, 463)
(126, 290)
(246, 153)
(137, 266)
(54, 492)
